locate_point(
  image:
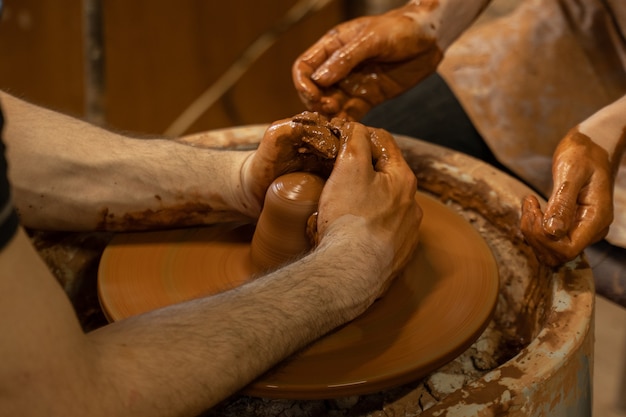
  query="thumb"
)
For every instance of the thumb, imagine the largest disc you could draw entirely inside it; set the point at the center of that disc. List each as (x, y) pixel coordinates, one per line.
(561, 210)
(346, 56)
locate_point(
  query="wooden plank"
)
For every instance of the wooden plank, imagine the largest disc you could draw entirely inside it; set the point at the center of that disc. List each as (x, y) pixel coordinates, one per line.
(41, 57)
(162, 55)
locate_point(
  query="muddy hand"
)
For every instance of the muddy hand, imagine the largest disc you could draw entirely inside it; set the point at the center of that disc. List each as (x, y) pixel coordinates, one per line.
(306, 142)
(363, 62)
(373, 205)
(580, 208)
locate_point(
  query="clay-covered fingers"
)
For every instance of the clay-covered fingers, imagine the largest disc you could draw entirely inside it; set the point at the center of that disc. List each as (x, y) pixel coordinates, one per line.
(561, 210)
(549, 249)
(581, 204)
(345, 47)
(365, 61)
(305, 142)
(326, 62)
(373, 204)
(329, 76)
(390, 165)
(580, 209)
(309, 92)
(554, 250)
(546, 248)
(330, 101)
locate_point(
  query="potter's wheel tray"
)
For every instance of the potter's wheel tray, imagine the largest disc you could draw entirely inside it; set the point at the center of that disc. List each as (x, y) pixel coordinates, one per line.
(433, 312)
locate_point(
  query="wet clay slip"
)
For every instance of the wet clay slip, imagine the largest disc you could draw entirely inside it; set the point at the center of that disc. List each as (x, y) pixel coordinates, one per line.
(435, 309)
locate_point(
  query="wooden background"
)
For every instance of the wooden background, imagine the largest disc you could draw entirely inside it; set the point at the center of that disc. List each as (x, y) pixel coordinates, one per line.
(158, 56)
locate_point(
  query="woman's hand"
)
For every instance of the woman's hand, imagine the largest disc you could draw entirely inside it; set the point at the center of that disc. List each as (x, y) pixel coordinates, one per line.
(365, 61)
(580, 208)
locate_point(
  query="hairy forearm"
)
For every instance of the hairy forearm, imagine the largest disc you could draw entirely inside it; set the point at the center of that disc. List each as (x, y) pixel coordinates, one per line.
(214, 347)
(445, 20)
(179, 360)
(69, 175)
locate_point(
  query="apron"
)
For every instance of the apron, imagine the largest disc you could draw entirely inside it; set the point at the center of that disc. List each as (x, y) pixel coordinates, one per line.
(527, 78)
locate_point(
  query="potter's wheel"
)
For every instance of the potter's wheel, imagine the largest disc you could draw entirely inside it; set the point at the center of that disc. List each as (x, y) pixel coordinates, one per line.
(433, 312)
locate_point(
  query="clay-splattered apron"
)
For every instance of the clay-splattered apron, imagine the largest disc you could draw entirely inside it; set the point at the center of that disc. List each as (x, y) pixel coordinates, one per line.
(527, 78)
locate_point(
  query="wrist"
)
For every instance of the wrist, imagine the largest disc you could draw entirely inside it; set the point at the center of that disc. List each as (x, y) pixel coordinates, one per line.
(426, 21)
(241, 197)
(370, 264)
(577, 151)
(444, 20)
(607, 129)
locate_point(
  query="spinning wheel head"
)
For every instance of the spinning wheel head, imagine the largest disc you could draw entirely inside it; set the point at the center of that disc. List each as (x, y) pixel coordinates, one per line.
(433, 311)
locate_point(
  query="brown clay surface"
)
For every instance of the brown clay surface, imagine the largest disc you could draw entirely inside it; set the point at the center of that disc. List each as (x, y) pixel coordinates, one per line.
(281, 231)
(433, 312)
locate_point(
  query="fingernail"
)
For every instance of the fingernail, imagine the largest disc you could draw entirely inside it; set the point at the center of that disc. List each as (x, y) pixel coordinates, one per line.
(320, 73)
(554, 226)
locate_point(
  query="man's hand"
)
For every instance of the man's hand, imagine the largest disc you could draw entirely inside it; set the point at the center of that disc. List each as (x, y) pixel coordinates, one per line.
(580, 209)
(365, 61)
(306, 142)
(369, 198)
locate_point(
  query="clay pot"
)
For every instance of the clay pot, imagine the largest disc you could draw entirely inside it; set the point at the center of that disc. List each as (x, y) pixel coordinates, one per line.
(281, 232)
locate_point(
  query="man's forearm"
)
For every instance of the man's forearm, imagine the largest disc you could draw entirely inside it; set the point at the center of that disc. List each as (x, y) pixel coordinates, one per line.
(213, 347)
(179, 360)
(69, 175)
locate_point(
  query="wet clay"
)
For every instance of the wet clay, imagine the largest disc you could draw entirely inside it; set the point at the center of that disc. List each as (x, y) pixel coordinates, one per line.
(281, 232)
